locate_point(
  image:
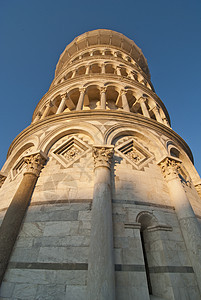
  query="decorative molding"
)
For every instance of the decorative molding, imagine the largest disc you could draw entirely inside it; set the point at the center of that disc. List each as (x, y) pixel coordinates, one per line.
(103, 156)
(159, 227)
(132, 225)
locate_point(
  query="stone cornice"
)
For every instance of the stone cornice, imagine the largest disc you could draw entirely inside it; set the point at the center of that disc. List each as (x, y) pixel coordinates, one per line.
(118, 116)
(56, 89)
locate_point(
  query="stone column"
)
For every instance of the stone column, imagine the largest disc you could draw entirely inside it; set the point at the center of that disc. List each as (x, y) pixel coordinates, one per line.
(74, 73)
(101, 284)
(46, 111)
(145, 112)
(87, 69)
(80, 100)
(188, 222)
(37, 118)
(157, 114)
(103, 69)
(119, 71)
(62, 104)
(124, 101)
(103, 98)
(15, 213)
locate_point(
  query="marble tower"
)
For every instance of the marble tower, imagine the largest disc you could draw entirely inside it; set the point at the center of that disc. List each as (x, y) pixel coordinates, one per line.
(99, 197)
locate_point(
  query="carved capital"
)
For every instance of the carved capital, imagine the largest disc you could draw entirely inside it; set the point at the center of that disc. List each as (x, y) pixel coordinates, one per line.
(63, 96)
(35, 162)
(2, 178)
(123, 92)
(103, 90)
(82, 90)
(170, 168)
(103, 156)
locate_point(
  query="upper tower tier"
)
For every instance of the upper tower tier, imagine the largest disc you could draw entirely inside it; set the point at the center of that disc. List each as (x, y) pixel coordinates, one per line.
(102, 69)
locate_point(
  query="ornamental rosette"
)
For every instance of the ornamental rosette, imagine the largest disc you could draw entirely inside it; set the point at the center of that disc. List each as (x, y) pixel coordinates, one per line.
(103, 156)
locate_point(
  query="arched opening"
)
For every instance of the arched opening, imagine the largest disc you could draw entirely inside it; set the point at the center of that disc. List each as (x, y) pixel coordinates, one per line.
(109, 69)
(97, 52)
(86, 54)
(77, 58)
(81, 70)
(93, 95)
(68, 76)
(111, 96)
(72, 99)
(124, 72)
(118, 54)
(128, 58)
(174, 152)
(131, 98)
(95, 68)
(108, 52)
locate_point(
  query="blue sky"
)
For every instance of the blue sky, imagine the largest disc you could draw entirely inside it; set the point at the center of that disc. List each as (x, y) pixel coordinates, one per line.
(33, 34)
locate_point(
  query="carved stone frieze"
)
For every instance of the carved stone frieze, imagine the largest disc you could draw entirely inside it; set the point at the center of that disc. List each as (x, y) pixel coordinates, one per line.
(34, 163)
(103, 156)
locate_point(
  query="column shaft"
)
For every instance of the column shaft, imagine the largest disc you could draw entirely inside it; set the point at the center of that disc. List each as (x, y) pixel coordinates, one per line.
(15, 213)
(144, 108)
(188, 222)
(103, 99)
(125, 102)
(80, 100)
(118, 71)
(101, 284)
(46, 111)
(61, 105)
(157, 114)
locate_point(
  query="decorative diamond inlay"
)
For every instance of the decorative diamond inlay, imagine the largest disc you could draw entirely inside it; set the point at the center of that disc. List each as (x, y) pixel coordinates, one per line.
(134, 153)
(70, 151)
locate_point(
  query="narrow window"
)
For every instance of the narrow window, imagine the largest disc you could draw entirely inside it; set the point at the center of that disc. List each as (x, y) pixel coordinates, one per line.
(146, 263)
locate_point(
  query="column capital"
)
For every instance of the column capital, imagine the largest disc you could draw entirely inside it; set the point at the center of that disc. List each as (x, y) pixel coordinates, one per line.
(35, 162)
(103, 89)
(170, 167)
(123, 92)
(141, 99)
(103, 155)
(63, 95)
(82, 90)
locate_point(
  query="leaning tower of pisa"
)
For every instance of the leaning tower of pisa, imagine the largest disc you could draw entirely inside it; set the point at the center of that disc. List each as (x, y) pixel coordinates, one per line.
(99, 198)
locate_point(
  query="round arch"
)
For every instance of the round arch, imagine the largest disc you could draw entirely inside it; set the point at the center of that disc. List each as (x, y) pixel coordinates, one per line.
(117, 131)
(69, 128)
